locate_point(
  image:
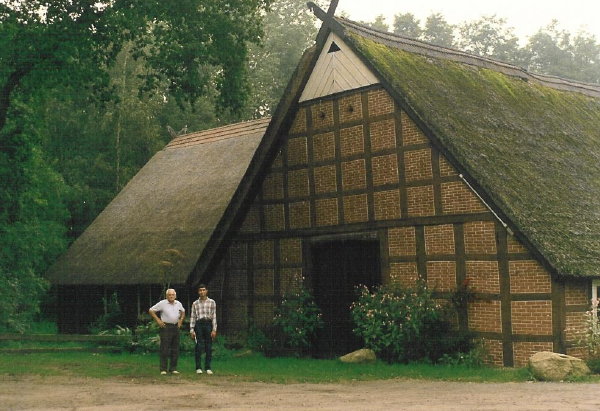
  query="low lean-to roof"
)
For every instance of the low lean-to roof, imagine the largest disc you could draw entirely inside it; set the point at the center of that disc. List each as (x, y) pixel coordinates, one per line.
(529, 143)
(166, 214)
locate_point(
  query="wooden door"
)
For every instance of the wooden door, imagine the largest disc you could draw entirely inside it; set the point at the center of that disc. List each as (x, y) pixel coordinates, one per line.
(338, 268)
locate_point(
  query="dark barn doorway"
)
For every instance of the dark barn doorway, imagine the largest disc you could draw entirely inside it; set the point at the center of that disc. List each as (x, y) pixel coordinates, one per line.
(337, 268)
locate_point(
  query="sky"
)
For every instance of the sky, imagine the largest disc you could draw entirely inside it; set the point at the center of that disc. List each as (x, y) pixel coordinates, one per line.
(525, 16)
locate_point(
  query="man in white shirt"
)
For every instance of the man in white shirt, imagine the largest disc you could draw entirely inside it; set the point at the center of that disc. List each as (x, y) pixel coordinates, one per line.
(172, 314)
(203, 328)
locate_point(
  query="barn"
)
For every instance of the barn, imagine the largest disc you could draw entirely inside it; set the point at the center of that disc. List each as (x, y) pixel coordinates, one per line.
(387, 160)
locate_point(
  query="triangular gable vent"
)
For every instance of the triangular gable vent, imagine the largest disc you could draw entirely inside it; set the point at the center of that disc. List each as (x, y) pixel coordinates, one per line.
(337, 69)
(333, 48)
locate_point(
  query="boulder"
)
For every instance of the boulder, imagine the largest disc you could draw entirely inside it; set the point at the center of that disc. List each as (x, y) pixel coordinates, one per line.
(550, 366)
(359, 356)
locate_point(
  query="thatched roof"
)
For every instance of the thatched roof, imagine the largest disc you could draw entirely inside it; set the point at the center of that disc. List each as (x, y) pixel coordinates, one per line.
(166, 214)
(530, 144)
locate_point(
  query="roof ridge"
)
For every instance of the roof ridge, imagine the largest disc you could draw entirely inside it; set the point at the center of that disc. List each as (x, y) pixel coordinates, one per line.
(432, 50)
(233, 130)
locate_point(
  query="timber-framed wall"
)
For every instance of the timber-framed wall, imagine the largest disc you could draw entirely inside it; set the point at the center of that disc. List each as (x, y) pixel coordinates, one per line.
(356, 163)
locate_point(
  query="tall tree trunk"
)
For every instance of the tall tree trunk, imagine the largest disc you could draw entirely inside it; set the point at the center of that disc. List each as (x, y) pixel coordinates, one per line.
(5, 93)
(119, 127)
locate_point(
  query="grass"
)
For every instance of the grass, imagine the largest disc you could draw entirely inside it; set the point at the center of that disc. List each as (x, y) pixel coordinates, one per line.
(234, 365)
(252, 367)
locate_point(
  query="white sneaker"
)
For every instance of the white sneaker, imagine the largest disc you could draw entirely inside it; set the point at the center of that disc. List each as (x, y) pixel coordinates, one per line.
(163, 373)
(209, 372)
(199, 371)
(175, 372)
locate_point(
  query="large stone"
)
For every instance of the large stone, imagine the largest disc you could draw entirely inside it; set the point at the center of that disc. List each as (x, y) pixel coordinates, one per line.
(550, 366)
(359, 356)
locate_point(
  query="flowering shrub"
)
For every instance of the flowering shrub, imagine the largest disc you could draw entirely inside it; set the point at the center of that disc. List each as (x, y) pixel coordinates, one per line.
(590, 336)
(298, 318)
(404, 324)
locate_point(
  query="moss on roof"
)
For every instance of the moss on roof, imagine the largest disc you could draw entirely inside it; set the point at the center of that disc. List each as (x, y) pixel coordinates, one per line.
(533, 149)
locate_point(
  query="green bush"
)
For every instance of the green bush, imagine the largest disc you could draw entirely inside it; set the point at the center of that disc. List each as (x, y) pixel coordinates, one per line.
(406, 324)
(298, 318)
(258, 340)
(475, 358)
(111, 319)
(594, 365)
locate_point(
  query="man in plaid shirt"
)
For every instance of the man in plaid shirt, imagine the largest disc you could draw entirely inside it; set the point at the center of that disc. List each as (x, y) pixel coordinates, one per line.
(203, 327)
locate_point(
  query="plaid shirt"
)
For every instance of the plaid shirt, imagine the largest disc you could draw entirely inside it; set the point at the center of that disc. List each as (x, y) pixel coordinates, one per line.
(204, 309)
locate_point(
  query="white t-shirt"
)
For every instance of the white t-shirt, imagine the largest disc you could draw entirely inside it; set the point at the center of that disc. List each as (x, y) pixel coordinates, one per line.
(169, 313)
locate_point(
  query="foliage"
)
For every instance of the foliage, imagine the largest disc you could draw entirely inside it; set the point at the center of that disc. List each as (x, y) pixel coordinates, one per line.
(298, 317)
(590, 337)
(593, 364)
(550, 50)
(378, 23)
(72, 129)
(463, 295)
(405, 324)
(554, 51)
(475, 358)
(45, 45)
(438, 31)
(489, 37)
(257, 340)
(407, 25)
(289, 29)
(32, 221)
(111, 319)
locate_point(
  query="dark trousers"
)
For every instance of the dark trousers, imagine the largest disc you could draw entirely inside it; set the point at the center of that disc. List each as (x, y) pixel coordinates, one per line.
(203, 343)
(169, 347)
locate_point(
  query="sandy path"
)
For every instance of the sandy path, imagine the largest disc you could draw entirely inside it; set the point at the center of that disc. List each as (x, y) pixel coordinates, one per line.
(50, 393)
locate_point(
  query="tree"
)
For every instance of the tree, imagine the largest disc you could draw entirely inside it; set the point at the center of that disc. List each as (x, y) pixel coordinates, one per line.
(438, 31)
(586, 58)
(378, 24)
(289, 30)
(46, 44)
(489, 37)
(407, 25)
(62, 51)
(554, 51)
(548, 51)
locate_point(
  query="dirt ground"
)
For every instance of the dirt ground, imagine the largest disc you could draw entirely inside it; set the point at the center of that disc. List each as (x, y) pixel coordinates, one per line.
(212, 392)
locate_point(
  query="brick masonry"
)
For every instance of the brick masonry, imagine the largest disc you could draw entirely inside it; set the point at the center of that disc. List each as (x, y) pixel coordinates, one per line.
(494, 350)
(484, 276)
(324, 147)
(480, 237)
(383, 135)
(417, 165)
(322, 114)
(441, 275)
(327, 212)
(524, 350)
(528, 277)
(350, 108)
(387, 204)
(404, 273)
(352, 141)
(485, 316)
(457, 198)
(439, 239)
(531, 317)
(402, 241)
